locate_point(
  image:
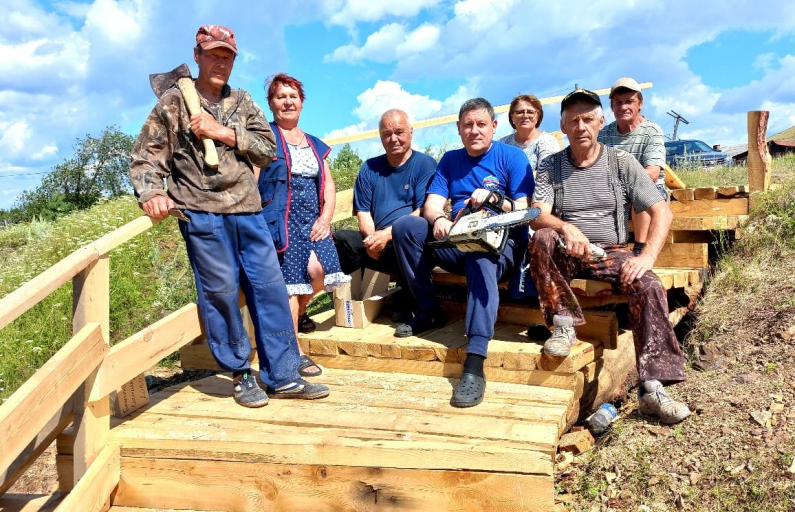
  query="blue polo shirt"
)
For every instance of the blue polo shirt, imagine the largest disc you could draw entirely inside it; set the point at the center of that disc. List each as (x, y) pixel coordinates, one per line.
(391, 192)
(503, 168)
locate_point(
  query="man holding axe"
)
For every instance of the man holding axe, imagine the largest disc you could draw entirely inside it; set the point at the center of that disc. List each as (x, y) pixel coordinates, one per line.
(203, 138)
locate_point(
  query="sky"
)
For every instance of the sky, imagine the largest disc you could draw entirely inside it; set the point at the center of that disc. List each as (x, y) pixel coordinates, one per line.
(72, 68)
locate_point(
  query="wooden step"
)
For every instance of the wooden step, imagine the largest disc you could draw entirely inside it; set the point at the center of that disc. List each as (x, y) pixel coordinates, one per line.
(388, 439)
(512, 356)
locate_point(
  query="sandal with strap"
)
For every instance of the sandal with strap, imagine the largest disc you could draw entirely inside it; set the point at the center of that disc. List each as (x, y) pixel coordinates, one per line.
(304, 363)
(305, 324)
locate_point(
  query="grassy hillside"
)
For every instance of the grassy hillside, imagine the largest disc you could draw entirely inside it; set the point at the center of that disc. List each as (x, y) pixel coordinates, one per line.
(737, 451)
(150, 277)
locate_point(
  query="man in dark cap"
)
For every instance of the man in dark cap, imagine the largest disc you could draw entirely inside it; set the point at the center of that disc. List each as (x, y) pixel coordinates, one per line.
(585, 193)
(228, 243)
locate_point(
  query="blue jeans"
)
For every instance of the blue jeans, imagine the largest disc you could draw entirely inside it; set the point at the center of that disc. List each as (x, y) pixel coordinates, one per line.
(227, 252)
(483, 271)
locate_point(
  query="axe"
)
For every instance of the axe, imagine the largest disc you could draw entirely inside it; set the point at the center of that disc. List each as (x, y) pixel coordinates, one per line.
(180, 76)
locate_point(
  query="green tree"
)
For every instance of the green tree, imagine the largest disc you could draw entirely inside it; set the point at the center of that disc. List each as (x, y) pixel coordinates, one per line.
(345, 167)
(98, 168)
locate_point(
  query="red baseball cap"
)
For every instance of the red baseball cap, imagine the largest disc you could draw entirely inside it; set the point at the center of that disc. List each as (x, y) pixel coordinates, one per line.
(216, 36)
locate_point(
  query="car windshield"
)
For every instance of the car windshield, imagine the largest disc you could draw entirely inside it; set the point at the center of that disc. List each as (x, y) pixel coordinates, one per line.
(681, 147)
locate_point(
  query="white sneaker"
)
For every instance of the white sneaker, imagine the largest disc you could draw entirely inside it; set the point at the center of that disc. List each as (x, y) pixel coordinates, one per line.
(563, 336)
(656, 402)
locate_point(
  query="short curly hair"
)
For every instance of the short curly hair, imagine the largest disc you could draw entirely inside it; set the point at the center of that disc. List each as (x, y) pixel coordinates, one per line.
(272, 85)
(528, 98)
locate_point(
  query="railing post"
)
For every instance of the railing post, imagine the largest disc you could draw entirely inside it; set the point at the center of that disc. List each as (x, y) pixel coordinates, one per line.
(90, 303)
(758, 168)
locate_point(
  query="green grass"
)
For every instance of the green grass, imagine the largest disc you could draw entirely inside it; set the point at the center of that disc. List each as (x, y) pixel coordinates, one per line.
(149, 277)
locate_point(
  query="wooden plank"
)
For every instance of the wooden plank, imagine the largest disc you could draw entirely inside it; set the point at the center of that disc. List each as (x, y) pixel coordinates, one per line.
(369, 414)
(599, 325)
(36, 447)
(582, 353)
(92, 492)
(143, 350)
(34, 291)
(29, 502)
(690, 237)
(704, 193)
(333, 447)
(121, 235)
(30, 408)
(683, 255)
(91, 303)
(261, 487)
(704, 223)
(710, 207)
(343, 205)
(685, 194)
(440, 369)
(758, 167)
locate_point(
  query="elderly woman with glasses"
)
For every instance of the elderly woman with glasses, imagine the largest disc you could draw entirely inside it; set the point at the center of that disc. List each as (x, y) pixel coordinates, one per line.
(525, 116)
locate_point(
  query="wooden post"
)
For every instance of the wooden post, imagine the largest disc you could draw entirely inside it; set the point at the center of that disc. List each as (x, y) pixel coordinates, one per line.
(758, 168)
(91, 303)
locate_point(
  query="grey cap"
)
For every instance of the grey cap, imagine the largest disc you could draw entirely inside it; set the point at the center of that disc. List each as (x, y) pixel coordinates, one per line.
(625, 83)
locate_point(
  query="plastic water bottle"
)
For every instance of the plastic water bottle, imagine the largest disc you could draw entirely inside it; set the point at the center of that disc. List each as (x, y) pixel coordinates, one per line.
(600, 421)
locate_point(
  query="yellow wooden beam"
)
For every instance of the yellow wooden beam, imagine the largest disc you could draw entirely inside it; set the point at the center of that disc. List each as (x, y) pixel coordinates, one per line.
(435, 121)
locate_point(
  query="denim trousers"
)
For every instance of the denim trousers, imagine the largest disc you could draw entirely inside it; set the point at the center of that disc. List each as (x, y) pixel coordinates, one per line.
(483, 271)
(232, 251)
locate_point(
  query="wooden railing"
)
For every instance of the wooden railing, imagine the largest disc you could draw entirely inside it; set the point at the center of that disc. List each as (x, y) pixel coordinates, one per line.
(75, 385)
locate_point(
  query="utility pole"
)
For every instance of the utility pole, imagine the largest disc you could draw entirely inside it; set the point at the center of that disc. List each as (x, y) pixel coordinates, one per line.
(678, 118)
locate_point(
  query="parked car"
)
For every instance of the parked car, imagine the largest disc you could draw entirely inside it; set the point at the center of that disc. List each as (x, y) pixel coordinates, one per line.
(680, 153)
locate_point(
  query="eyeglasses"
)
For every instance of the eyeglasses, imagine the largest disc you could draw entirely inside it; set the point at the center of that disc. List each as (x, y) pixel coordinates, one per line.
(528, 113)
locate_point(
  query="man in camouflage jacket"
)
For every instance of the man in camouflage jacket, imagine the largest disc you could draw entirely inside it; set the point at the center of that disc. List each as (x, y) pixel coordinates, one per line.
(228, 243)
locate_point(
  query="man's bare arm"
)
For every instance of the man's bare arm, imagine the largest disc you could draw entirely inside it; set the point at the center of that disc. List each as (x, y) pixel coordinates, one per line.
(661, 218)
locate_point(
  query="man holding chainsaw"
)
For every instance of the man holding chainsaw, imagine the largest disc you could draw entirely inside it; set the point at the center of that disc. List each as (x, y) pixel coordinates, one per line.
(585, 193)
(483, 170)
(218, 204)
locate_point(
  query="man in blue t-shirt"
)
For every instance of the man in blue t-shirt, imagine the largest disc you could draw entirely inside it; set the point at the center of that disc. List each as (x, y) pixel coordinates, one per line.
(388, 187)
(465, 176)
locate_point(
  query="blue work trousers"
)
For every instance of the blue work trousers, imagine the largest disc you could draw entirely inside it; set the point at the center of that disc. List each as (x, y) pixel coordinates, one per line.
(227, 252)
(483, 270)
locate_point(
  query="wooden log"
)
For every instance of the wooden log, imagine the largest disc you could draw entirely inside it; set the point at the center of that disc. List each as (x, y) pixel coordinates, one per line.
(121, 235)
(710, 207)
(704, 193)
(685, 194)
(260, 487)
(91, 303)
(146, 348)
(683, 255)
(92, 492)
(576, 442)
(611, 376)
(36, 447)
(703, 223)
(731, 191)
(27, 412)
(758, 168)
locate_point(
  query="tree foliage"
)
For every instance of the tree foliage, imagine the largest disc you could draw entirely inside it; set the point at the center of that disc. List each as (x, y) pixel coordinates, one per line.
(99, 168)
(345, 167)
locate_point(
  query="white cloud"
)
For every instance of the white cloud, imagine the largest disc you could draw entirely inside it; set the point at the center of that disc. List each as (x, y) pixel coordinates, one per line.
(118, 22)
(390, 42)
(350, 12)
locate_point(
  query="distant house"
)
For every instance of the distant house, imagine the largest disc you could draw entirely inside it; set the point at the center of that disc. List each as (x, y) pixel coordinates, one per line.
(778, 144)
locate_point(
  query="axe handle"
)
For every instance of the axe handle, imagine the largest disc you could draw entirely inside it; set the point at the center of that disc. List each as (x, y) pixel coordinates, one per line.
(191, 97)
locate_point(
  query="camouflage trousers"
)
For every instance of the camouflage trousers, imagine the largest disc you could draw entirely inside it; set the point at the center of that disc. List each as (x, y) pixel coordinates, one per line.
(657, 351)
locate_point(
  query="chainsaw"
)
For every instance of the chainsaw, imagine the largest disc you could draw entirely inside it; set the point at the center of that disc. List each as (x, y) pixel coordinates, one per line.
(485, 228)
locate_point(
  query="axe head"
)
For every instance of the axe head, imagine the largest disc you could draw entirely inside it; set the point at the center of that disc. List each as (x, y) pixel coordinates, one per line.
(161, 82)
